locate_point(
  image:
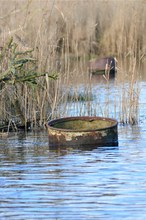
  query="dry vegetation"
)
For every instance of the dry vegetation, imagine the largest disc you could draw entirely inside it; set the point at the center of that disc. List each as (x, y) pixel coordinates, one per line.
(65, 34)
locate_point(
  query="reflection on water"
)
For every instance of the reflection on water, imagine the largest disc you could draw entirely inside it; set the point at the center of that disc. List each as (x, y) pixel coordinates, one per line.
(102, 183)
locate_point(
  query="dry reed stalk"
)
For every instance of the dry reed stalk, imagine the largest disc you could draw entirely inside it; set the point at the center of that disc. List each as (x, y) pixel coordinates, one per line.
(129, 90)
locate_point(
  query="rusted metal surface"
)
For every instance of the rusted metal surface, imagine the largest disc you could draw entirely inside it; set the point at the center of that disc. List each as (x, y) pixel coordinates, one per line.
(83, 131)
(103, 65)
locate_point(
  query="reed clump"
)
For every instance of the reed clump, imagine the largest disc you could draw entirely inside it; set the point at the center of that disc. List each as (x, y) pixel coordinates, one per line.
(18, 75)
(64, 36)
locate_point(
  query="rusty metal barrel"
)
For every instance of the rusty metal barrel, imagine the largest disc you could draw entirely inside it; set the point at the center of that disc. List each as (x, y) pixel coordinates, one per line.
(83, 131)
(103, 65)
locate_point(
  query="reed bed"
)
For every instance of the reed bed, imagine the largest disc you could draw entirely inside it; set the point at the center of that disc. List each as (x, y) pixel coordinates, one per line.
(64, 36)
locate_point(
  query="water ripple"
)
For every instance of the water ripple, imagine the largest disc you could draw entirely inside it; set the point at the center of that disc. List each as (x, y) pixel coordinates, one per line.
(104, 183)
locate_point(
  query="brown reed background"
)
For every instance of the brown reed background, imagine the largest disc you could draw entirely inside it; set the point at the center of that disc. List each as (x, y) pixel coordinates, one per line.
(65, 34)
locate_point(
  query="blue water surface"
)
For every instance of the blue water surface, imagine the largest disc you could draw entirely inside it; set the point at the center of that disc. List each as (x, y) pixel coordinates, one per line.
(103, 183)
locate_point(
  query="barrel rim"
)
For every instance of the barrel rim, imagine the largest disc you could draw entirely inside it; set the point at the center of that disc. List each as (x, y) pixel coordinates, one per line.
(52, 122)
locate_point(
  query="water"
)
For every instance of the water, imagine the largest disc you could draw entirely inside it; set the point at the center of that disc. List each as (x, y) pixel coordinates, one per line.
(101, 183)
